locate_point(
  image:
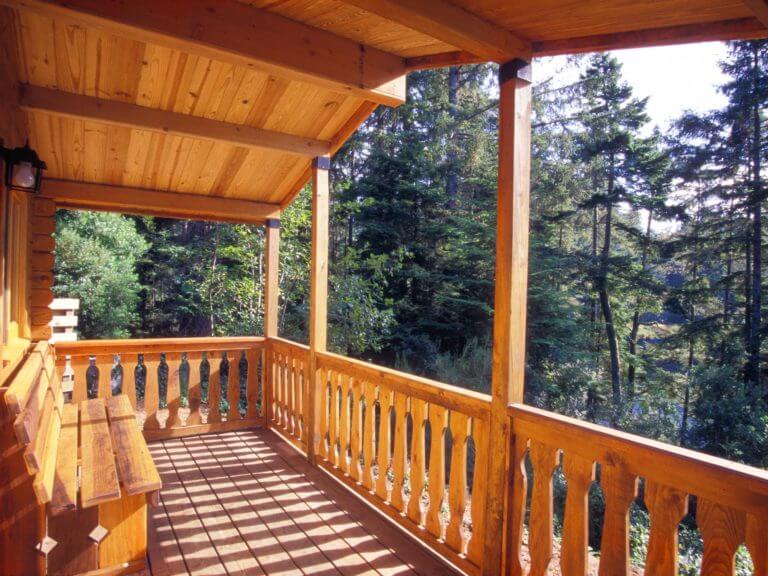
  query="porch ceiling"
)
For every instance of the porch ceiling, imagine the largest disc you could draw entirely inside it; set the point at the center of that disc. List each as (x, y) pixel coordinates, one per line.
(232, 98)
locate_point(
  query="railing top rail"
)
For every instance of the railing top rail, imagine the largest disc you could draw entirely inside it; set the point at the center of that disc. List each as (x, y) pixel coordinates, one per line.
(291, 343)
(713, 478)
(152, 345)
(462, 400)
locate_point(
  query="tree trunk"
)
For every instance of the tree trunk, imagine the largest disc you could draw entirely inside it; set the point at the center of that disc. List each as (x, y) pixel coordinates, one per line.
(753, 374)
(632, 368)
(451, 178)
(727, 304)
(605, 306)
(747, 298)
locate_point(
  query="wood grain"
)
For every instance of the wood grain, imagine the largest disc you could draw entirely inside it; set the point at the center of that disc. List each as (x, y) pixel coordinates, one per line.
(64, 496)
(579, 475)
(510, 293)
(723, 530)
(619, 490)
(137, 471)
(99, 474)
(544, 460)
(666, 507)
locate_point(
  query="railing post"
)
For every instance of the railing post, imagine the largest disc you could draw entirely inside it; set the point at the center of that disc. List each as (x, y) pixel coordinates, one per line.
(271, 303)
(318, 296)
(510, 295)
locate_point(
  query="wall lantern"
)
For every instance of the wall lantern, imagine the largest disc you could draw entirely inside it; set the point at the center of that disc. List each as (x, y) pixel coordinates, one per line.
(23, 168)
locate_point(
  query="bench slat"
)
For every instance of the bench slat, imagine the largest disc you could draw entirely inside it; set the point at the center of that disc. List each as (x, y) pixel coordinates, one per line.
(33, 454)
(99, 474)
(43, 483)
(19, 390)
(137, 470)
(64, 495)
(27, 423)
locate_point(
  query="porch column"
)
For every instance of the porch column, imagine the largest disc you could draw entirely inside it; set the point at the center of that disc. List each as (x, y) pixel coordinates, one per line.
(271, 291)
(318, 296)
(508, 367)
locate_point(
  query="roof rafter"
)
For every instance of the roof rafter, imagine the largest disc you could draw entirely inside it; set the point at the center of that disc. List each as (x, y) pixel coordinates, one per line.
(452, 25)
(141, 201)
(235, 33)
(36, 98)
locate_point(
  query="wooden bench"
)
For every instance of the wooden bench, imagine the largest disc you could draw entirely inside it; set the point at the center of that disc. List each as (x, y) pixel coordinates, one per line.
(92, 472)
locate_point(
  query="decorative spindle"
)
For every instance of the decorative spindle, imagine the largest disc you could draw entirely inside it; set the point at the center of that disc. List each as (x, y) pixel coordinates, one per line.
(242, 370)
(224, 384)
(140, 381)
(92, 378)
(116, 376)
(162, 385)
(205, 376)
(184, 410)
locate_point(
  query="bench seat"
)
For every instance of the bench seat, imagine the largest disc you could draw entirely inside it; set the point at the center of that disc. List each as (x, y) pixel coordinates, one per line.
(114, 458)
(90, 469)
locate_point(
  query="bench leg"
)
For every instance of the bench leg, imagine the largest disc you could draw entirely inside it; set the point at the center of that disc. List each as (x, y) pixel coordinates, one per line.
(126, 540)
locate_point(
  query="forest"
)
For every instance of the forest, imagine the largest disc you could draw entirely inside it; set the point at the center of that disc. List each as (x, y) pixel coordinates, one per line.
(646, 308)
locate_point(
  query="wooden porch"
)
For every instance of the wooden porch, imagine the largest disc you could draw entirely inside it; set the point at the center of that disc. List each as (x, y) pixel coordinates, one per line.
(246, 502)
(224, 111)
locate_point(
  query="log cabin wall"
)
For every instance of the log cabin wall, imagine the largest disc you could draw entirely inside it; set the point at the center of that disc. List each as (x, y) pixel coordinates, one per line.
(42, 245)
(21, 519)
(14, 255)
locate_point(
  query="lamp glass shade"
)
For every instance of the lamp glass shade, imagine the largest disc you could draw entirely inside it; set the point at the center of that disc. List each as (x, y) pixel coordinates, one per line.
(24, 176)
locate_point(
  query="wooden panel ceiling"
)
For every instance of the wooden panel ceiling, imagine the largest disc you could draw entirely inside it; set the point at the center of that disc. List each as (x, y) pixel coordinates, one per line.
(297, 69)
(356, 24)
(69, 57)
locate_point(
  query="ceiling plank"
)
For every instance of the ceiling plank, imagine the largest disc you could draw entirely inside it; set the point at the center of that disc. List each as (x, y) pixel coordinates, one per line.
(740, 29)
(349, 128)
(760, 9)
(140, 201)
(235, 33)
(452, 25)
(67, 104)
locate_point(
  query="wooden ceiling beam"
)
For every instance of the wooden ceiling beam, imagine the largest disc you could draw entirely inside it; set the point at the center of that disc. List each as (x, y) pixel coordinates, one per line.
(236, 33)
(760, 9)
(740, 29)
(143, 202)
(67, 104)
(441, 60)
(452, 25)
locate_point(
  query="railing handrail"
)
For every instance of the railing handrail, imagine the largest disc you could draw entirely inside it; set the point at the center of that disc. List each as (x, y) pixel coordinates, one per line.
(717, 479)
(157, 345)
(286, 342)
(475, 404)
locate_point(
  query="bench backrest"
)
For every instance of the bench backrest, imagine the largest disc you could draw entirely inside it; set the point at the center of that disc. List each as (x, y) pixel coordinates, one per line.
(35, 405)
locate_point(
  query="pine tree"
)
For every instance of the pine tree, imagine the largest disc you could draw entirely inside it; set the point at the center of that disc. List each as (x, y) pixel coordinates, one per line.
(610, 119)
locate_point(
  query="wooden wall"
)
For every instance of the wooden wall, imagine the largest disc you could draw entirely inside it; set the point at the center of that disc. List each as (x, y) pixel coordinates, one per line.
(42, 260)
(21, 518)
(13, 122)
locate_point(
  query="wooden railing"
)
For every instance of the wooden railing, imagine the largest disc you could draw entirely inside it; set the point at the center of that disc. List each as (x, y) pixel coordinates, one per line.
(729, 501)
(287, 379)
(178, 386)
(412, 447)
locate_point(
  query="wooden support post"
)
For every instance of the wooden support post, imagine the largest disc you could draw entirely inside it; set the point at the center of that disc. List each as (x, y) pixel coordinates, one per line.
(318, 297)
(271, 290)
(511, 293)
(271, 307)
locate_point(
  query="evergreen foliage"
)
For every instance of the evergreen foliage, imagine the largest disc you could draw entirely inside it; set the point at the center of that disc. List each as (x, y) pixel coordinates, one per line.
(646, 268)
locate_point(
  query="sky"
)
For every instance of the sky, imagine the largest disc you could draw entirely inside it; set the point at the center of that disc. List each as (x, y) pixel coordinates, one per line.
(675, 78)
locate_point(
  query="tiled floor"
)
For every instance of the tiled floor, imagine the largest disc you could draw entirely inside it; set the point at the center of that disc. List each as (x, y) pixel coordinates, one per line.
(246, 502)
